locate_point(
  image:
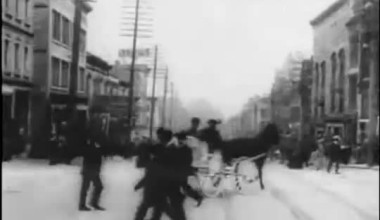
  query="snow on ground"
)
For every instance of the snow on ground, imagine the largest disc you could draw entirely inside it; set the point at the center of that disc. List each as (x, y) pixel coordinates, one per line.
(35, 191)
(318, 195)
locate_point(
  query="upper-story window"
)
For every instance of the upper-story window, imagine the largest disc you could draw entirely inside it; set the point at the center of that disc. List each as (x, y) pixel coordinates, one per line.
(56, 26)
(17, 58)
(65, 74)
(82, 41)
(65, 31)
(354, 49)
(56, 69)
(26, 9)
(6, 54)
(341, 78)
(26, 60)
(333, 82)
(323, 80)
(81, 80)
(17, 8)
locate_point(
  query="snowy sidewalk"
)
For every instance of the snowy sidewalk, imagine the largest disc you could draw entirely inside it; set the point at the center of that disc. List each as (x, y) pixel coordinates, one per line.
(36, 191)
(314, 195)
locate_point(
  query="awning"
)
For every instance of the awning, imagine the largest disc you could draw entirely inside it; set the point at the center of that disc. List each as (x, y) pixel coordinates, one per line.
(5, 89)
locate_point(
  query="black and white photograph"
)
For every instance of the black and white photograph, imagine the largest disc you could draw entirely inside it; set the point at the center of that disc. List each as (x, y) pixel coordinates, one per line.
(190, 109)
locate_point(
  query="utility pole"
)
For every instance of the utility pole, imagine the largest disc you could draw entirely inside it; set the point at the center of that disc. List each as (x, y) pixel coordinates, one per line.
(172, 105)
(153, 93)
(75, 60)
(371, 12)
(165, 95)
(132, 71)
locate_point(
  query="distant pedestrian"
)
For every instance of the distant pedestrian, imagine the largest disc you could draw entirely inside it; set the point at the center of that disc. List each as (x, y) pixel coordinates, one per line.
(334, 154)
(193, 130)
(92, 162)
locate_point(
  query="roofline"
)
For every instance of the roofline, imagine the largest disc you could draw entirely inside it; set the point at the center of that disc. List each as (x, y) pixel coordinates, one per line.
(324, 14)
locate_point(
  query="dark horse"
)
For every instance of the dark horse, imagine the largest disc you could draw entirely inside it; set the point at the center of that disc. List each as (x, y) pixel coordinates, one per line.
(251, 147)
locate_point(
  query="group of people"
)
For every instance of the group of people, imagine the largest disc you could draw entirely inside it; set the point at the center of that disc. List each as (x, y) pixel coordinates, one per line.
(168, 164)
(332, 148)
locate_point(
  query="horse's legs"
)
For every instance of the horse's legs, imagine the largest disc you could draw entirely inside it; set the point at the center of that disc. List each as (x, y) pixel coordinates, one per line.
(260, 164)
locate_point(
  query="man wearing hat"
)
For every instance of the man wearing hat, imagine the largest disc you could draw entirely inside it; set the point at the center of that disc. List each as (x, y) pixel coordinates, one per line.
(193, 130)
(211, 135)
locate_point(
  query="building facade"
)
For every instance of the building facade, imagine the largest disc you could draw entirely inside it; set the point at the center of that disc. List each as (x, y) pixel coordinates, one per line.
(341, 71)
(17, 61)
(53, 22)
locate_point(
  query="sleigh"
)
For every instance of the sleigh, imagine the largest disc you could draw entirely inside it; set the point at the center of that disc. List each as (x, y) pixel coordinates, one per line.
(214, 178)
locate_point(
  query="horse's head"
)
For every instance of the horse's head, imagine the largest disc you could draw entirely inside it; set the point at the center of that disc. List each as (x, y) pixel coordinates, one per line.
(271, 134)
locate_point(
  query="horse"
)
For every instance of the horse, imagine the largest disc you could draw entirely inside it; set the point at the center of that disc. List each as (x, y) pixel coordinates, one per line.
(258, 146)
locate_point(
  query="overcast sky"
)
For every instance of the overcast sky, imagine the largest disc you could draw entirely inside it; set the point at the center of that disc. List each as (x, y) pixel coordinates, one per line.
(222, 50)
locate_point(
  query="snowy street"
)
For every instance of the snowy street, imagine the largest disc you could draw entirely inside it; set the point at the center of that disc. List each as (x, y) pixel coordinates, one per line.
(35, 191)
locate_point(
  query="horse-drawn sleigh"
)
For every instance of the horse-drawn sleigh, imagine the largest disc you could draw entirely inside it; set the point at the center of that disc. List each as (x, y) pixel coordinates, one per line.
(236, 168)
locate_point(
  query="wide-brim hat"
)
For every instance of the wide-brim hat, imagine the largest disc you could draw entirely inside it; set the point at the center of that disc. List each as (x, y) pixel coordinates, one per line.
(213, 121)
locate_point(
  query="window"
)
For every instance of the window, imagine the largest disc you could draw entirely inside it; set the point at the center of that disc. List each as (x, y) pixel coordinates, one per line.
(26, 60)
(66, 31)
(17, 8)
(55, 72)
(6, 54)
(352, 86)
(16, 57)
(354, 49)
(323, 80)
(82, 41)
(88, 81)
(342, 70)
(333, 82)
(365, 104)
(26, 9)
(56, 26)
(316, 80)
(81, 82)
(65, 74)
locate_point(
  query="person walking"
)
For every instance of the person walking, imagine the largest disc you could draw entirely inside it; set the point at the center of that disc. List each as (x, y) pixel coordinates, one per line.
(334, 154)
(193, 130)
(92, 162)
(211, 135)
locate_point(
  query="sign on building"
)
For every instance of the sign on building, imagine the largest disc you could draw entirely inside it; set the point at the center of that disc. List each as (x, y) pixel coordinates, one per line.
(127, 53)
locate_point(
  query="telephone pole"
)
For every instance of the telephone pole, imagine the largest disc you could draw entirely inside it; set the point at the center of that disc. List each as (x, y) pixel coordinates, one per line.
(153, 93)
(75, 59)
(172, 105)
(165, 95)
(132, 75)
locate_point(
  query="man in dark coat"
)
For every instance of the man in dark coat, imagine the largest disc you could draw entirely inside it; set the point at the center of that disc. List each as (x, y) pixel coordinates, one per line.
(92, 162)
(334, 153)
(211, 135)
(193, 130)
(153, 182)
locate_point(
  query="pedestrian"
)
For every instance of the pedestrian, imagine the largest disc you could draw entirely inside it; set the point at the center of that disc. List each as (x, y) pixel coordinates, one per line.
(334, 154)
(155, 180)
(320, 154)
(184, 159)
(211, 135)
(193, 130)
(92, 162)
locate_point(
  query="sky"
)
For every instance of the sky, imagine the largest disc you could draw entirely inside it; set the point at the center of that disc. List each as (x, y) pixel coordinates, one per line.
(224, 51)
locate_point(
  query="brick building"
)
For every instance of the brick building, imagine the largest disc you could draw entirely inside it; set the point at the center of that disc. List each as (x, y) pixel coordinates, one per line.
(53, 22)
(335, 61)
(17, 60)
(341, 72)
